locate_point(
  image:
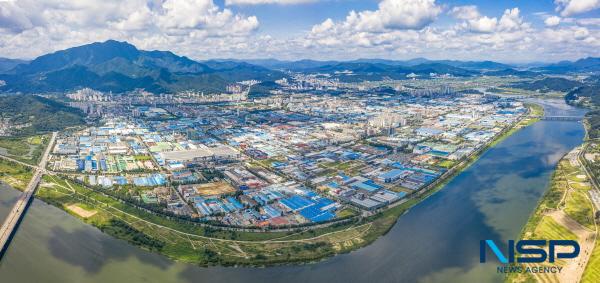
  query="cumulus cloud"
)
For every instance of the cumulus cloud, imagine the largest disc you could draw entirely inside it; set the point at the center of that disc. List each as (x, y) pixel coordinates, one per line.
(468, 12)
(394, 20)
(180, 25)
(507, 36)
(510, 20)
(573, 7)
(13, 18)
(401, 14)
(262, 2)
(390, 15)
(201, 29)
(552, 21)
(483, 24)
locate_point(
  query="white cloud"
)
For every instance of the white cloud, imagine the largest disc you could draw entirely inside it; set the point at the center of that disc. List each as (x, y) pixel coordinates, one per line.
(261, 2)
(552, 21)
(505, 37)
(510, 20)
(13, 18)
(468, 12)
(572, 7)
(201, 29)
(567, 35)
(391, 15)
(32, 27)
(588, 21)
(483, 24)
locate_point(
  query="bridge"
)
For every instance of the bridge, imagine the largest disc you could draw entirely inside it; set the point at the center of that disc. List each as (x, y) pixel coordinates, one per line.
(559, 118)
(10, 225)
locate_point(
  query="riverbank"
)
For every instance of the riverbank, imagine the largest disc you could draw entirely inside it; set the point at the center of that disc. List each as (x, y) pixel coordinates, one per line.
(565, 212)
(192, 243)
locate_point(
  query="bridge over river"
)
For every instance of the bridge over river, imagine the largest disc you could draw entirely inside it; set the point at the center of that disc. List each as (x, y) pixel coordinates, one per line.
(11, 223)
(559, 118)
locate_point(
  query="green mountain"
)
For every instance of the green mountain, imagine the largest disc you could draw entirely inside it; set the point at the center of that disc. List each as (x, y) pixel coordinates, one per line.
(548, 84)
(511, 72)
(120, 67)
(352, 72)
(7, 64)
(589, 64)
(302, 65)
(38, 114)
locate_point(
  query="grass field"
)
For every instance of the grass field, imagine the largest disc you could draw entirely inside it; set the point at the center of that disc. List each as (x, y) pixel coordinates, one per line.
(15, 175)
(446, 163)
(549, 229)
(142, 157)
(579, 208)
(346, 212)
(25, 149)
(592, 270)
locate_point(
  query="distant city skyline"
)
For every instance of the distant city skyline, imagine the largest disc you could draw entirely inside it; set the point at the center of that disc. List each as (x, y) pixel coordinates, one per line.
(504, 31)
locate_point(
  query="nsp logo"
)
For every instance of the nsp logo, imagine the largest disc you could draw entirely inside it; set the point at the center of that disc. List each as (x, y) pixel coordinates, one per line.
(529, 251)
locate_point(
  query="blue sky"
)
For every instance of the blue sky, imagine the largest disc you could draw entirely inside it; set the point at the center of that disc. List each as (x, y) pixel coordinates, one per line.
(294, 18)
(290, 19)
(507, 31)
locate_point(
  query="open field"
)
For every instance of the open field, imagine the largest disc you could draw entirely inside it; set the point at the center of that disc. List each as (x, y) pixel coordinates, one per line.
(81, 212)
(580, 208)
(17, 176)
(215, 188)
(592, 270)
(548, 228)
(25, 149)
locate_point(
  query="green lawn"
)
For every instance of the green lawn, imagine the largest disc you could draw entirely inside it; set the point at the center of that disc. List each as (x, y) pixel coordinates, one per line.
(142, 157)
(346, 212)
(579, 208)
(549, 229)
(446, 163)
(592, 270)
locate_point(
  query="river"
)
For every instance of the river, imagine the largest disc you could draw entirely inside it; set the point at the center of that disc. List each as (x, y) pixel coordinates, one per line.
(436, 241)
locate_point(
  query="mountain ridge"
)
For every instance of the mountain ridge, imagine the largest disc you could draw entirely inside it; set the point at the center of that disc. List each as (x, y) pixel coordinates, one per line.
(121, 67)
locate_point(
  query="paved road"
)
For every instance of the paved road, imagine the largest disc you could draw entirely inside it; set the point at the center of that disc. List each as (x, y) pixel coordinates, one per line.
(16, 214)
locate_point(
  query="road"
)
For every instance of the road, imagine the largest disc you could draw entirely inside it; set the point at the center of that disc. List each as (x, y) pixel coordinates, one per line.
(18, 211)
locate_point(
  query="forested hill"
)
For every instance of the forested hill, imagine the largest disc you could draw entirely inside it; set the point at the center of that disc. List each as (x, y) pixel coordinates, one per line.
(38, 114)
(120, 67)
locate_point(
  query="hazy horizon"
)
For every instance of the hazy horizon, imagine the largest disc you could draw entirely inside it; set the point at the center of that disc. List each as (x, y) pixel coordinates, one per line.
(323, 60)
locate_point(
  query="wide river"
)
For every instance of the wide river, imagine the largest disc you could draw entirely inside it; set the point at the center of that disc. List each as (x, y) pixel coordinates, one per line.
(436, 241)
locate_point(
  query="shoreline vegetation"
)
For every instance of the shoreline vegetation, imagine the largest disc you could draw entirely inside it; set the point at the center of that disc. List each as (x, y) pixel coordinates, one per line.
(191, 242)
(566, 212)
